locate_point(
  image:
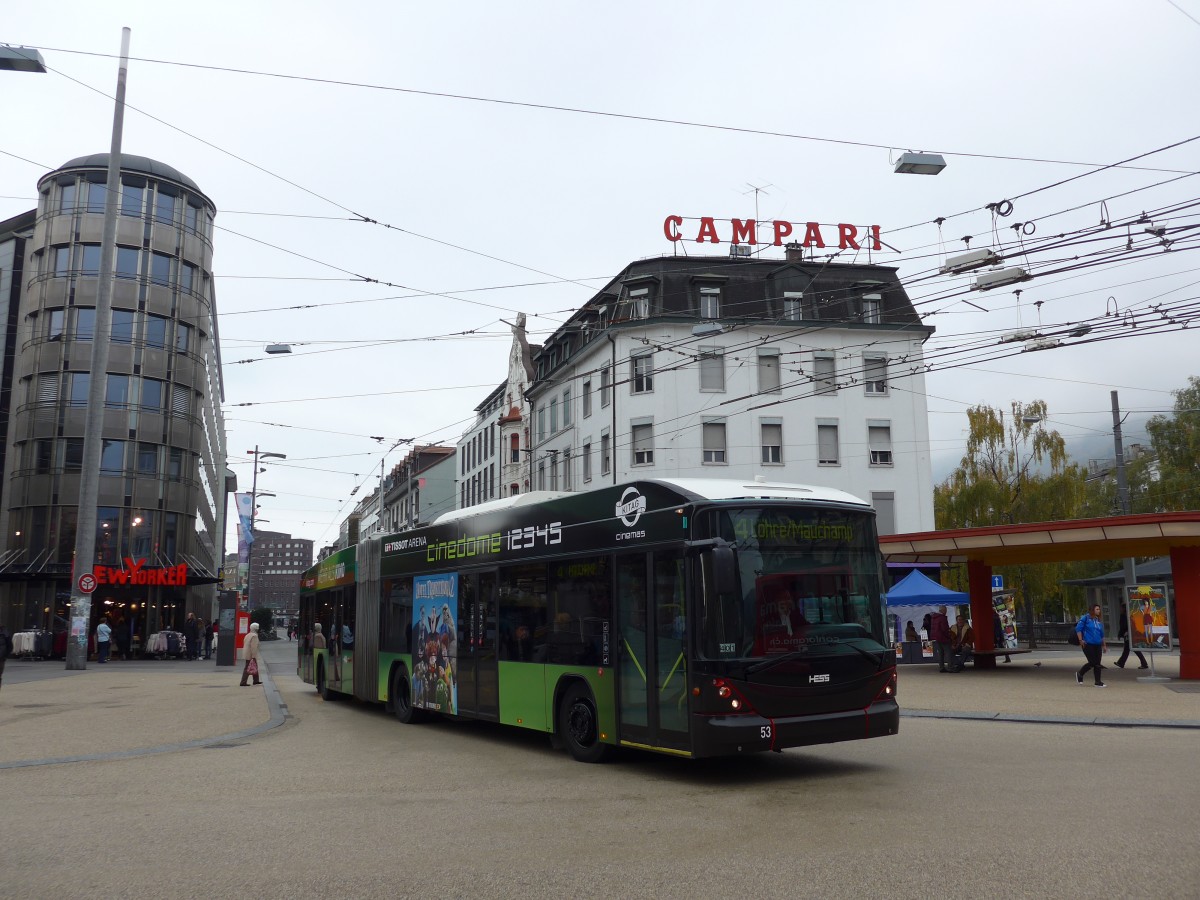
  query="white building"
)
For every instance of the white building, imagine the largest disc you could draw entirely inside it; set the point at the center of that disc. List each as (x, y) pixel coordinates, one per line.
(794, 370)
(492, 453)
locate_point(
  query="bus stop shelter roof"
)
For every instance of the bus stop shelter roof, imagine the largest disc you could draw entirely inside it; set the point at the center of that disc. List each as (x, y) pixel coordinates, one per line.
(1112, 537)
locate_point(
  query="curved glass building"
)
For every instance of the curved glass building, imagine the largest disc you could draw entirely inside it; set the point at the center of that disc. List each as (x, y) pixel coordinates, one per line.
(162, 467)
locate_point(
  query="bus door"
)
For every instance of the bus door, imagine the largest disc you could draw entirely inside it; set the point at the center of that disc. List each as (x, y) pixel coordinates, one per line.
(651, 650)
(478, 680)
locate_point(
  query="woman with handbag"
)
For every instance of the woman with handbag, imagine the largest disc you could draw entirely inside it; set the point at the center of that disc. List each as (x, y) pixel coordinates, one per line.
(250, 655)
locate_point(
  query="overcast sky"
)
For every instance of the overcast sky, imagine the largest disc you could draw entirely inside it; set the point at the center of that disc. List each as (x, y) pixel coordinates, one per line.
(502, 207)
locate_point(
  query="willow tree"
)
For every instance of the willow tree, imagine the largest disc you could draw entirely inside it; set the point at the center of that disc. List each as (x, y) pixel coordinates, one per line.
(1015, 469)
(1176, 442)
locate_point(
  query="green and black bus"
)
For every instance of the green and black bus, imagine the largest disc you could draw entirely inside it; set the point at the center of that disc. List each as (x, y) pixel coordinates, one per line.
(695, 617)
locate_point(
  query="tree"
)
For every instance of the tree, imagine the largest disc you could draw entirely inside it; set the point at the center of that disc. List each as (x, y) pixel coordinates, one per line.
(264, 616)
(1015, 469)
(1176, 441)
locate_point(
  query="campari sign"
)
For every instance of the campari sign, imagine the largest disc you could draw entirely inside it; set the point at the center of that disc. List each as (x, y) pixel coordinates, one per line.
(776, 233)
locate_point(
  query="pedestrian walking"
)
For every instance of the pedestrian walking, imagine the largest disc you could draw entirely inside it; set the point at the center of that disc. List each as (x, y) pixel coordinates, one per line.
(998, 639)
(939, 633)
(208, 639)
(250, 655)
(1091, 639)
(5, 649)
(191, 632)
(103, 641)
(1123, 634)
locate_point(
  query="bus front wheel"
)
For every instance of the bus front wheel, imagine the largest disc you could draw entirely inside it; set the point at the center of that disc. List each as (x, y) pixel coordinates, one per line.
(579, 726)
(402, 698)
(323, 684)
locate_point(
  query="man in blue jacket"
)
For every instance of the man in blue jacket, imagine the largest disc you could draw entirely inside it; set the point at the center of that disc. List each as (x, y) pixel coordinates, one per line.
(1091, 638)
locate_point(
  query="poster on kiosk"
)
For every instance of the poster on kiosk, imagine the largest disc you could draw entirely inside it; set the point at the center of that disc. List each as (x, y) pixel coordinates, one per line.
(1149, 621)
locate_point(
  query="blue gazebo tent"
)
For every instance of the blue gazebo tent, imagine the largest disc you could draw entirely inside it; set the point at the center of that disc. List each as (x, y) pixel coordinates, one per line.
(915, 594)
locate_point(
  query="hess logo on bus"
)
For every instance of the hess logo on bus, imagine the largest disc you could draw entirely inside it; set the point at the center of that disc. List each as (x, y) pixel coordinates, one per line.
(818, 679)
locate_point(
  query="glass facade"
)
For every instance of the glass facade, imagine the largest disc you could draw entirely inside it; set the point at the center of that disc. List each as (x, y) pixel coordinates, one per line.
(162, 460)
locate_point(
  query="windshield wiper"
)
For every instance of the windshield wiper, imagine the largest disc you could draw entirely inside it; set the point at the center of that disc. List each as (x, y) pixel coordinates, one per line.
(878, 660)
(775, 660)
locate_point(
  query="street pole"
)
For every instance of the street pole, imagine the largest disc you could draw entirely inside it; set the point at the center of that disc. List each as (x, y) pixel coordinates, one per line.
(89, 475)
(1122, 498)
(253, 514)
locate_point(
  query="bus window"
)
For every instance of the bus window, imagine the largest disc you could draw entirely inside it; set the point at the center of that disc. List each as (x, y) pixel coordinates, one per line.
(524, 617)
(580, 592)
(397, 615)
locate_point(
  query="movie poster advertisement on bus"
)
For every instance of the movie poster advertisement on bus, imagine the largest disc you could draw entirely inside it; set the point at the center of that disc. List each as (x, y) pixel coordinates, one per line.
(435, 642)
(1149, 621)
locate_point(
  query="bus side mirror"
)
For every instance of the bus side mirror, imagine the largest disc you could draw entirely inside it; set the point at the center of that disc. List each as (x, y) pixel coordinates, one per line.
(725, 569)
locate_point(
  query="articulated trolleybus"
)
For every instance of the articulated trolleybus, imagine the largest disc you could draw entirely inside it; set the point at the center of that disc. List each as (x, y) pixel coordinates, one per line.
(690, 617)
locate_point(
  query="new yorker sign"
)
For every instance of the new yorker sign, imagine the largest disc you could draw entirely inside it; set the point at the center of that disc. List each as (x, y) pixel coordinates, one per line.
(136, 572)
(748, 231)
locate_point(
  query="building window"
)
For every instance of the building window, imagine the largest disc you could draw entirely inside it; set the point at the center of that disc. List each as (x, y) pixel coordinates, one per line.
(643, 444)
(80, 383)
(66, 198)
(641, 373)
(91, 260)
(872, 307)
(793, 306)
(541, 482)
(116, 394)
(160, 268)
(96, 194)
(605, 385)
(147, 459)
(43, 455)
(768, 371)
(712, 370)
(885, 511)
(152, 394)
(825, 373)
(183, 337)
(514, 442)
(541, 423)
(879, 439)
(514, 490)
(54, 323)
(62, 261)
(827, 444)
(122, 326)
(587, 462)
(156, 332)
(553, 415)
(605, 454)
(187, 277)
(127, 262)
(714, 443)
(112, 457)
(875, 374)
(566, 407)
(164, 208)
(639, 303)
(190, 216)
(772, 443)
(587, 399)
(553, 470)
(181, 400)
(73, 454)
(131, 199)
(710, 302)
(567, 469)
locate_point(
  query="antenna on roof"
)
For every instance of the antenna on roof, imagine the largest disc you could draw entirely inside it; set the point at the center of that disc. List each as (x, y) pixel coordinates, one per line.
(757, 191)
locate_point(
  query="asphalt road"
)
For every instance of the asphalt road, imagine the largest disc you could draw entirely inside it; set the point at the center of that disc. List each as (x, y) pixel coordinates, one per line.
(342, 801)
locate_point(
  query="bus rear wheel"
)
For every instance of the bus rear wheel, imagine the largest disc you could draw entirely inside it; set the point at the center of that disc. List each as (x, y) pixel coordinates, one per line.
(401, 695)
(579, 726)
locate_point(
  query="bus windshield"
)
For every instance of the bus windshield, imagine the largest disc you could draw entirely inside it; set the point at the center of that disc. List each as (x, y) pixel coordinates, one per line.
(809, 580)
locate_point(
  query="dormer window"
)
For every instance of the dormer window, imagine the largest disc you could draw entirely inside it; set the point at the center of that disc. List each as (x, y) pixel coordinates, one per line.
(639, 303)
(872, 309)
(710, 301)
